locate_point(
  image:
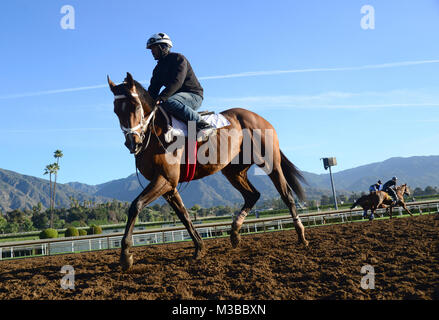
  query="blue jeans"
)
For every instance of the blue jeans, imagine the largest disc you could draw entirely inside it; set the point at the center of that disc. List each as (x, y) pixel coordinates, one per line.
(183, 106)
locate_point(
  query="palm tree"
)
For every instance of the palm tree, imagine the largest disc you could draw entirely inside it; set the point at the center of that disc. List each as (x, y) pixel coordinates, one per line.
(49, 170)
(57, 155)
(55, 168)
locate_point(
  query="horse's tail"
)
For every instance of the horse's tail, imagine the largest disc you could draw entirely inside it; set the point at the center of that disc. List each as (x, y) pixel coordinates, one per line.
(292, 175)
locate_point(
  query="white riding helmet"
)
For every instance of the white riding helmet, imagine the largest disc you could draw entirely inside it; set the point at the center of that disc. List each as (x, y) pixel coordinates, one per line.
(158, 38)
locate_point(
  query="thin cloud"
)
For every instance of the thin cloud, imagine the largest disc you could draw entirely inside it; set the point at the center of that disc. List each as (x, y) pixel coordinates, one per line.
(338, 100)
(56, 130)
(365, 67)
(241, 75)
(41, 93)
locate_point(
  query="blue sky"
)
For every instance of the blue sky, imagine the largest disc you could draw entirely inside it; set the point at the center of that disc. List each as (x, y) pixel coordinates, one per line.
(329, 87)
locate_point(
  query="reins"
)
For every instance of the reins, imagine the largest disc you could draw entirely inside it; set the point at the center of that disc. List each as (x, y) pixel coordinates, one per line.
(155, 132)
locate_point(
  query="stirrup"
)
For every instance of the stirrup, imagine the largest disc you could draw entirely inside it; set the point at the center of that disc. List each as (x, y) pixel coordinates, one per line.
(204, 134)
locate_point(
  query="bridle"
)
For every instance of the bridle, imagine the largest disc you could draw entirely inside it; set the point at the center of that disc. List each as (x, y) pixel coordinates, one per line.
(140, 129)
(143, 125)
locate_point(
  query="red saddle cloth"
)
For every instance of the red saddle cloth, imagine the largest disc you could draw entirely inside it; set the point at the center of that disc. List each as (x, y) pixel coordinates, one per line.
(190, 160)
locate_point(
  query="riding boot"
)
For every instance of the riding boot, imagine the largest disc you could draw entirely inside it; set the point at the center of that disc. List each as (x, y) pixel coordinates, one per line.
(205, 130)
(202, 125)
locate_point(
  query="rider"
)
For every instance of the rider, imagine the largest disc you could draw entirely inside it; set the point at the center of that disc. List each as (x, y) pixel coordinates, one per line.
(183, 93)
(375, 187)
(389, 187)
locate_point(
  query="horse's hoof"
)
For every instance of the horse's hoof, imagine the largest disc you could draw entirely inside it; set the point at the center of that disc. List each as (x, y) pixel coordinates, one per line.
(126, 262)
(305, 243)
(198, 254)
(235, 238)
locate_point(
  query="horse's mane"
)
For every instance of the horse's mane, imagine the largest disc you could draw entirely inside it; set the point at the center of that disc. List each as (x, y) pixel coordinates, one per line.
(140, 89)
(143, 92)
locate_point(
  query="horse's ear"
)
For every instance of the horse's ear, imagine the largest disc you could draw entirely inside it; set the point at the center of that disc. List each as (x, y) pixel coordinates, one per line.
(111, 84)
(130, 81)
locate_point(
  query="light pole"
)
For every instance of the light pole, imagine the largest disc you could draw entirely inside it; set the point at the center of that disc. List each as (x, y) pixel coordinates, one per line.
(328, 163)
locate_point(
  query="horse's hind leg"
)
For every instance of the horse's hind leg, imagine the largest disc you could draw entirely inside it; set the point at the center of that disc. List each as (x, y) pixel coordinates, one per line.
(175, 201)
(279, 181)
(237, 176)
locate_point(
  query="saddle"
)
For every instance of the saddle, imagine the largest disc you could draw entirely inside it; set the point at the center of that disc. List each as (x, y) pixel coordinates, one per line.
(387, 196)
(178, 128)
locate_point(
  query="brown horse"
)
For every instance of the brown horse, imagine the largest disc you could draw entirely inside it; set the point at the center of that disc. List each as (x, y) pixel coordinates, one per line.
(381, 199)
(160, 162)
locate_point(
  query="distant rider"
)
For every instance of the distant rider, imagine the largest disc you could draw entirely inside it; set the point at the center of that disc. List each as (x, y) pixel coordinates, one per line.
(375, 187)
(390, 187)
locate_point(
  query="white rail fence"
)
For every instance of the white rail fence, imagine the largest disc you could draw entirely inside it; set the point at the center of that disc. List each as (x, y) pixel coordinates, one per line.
(46, 247)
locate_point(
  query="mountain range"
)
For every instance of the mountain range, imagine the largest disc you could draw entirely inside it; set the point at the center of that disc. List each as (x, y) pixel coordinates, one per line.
(19, 191)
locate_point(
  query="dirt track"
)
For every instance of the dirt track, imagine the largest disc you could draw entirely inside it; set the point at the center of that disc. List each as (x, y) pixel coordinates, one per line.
(403, 252)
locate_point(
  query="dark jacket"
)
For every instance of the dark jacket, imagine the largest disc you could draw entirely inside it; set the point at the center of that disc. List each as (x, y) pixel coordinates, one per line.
(175, 73)
(389, 184)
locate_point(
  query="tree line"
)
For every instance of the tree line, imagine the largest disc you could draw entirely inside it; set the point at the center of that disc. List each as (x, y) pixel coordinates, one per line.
(87, 213)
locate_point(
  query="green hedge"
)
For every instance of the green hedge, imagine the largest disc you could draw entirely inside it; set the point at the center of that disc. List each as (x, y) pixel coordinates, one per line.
(72, 232)
(82, 232)
(48, 234)
(94, 230)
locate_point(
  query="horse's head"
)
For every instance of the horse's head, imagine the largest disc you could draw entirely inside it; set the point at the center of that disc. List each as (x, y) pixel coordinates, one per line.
(131, 104)
(406, 189)
(403, 190)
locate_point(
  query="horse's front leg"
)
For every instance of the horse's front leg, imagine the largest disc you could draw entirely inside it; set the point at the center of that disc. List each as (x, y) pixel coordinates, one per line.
(406, 209)
(365, 213)
(175, 201)
(155, 189)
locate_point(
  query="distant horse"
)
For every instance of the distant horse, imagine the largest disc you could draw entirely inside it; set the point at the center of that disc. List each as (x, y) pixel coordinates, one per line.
(381, 199)
(145, 126)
